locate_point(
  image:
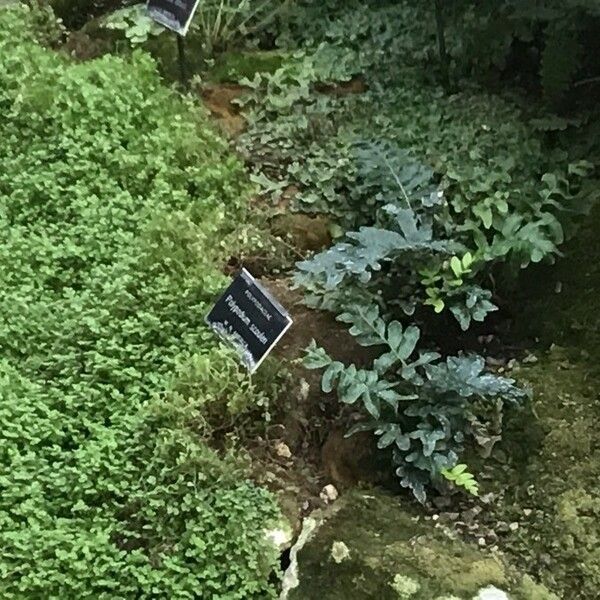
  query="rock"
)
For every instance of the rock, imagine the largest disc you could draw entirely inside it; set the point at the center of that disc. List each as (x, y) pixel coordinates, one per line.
(502, 527)
(487, 498)
(290, 578)
(491, 593)
(468, 516)
(442, 502)
(283, 450)
(405, 587)
(495, 362)
(329, 494)
(513, 526)
(392, 556)
(450, 516)
(339, 552)
(491, 537)
(530, 359)
(280, 536)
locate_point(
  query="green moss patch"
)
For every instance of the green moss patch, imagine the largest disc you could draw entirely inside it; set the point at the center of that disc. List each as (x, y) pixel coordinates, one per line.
(392, 555)
(557, 471)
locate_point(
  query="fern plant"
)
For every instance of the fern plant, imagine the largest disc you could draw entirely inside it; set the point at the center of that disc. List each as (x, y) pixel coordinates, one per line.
(460, 477)
(418, 404)
(406, 248)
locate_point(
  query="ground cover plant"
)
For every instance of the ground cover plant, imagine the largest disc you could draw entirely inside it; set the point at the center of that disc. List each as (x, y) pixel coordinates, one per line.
(439, 190)
(116, 196)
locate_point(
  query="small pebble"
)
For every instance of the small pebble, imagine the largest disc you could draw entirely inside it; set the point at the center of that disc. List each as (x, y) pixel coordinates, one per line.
(329, 494)
(502, 526)
(530, 359)
(283, 450)
(495, 362)
(450, 516)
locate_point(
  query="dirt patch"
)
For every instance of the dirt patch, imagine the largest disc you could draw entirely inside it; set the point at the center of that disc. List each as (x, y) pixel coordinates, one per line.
(313, 324)
(220, 101)
(81, 46)
(305, 232)
(311, 424)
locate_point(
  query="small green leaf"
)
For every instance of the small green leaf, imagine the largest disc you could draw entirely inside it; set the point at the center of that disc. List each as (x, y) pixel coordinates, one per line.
(408, 343)
(456, 266)
(316, 357)
(330, 375)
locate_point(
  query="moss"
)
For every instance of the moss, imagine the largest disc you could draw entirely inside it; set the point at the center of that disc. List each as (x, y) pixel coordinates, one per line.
(391, 553)
(557, 473)
(557, 481)
(530, 590)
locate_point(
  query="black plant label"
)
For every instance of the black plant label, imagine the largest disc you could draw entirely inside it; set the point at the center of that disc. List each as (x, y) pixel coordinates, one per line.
(174, 14)
(249, 319)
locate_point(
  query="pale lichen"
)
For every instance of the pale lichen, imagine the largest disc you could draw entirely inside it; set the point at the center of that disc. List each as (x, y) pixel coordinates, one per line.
(405, 587)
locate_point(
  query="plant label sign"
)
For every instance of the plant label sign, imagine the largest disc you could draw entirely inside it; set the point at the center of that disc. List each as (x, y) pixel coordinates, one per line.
(173, 14)
(250, 319)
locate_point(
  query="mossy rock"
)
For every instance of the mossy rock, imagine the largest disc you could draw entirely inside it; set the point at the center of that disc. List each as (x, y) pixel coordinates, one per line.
(389, 554)
(552, 482)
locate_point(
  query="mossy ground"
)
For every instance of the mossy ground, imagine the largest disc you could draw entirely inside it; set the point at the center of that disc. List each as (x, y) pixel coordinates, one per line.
(392, 554)
(556, 465)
